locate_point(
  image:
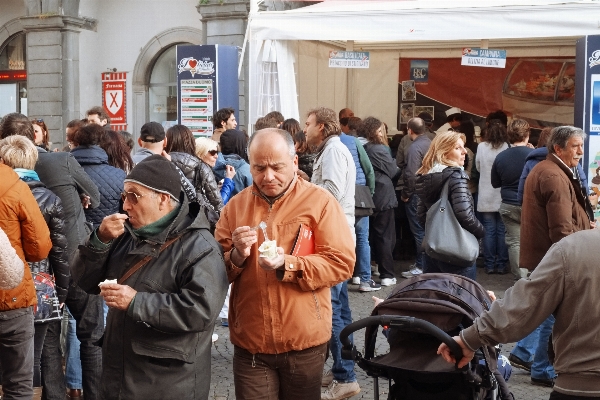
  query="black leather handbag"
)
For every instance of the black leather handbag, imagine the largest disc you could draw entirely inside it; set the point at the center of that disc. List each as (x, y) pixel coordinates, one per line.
(363, 201)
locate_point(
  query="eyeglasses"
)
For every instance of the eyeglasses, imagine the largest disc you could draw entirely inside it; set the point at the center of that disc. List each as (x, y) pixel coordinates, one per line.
(39, 120)
(132, 197)
(213, 152)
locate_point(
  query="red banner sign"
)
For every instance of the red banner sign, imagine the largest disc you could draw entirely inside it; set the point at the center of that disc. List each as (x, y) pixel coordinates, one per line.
(114, 98)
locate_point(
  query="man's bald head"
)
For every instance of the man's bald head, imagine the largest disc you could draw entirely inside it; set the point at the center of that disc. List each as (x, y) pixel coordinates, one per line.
(273, 161)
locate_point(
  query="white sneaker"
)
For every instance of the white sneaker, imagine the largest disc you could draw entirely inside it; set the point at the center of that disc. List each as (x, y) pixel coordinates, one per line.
(339, 391)
(388, 281)
(355, 280)
(414, 271)
(327, 378)
(215, 337)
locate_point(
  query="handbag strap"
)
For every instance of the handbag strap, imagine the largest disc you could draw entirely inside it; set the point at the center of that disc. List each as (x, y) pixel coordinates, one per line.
(444, 195)
(144, 261)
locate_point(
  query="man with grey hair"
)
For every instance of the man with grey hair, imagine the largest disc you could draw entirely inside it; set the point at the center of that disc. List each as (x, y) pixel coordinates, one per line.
(161, 273)
(554, 206)
(280, 307)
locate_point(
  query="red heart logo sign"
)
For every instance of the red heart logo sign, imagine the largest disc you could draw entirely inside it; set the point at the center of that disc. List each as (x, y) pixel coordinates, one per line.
(193, 63)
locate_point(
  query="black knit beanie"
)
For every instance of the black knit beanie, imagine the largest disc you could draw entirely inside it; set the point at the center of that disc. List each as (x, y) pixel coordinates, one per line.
(157, 173)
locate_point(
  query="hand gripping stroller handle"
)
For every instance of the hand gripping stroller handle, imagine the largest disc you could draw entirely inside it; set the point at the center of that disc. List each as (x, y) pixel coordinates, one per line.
(406, 324)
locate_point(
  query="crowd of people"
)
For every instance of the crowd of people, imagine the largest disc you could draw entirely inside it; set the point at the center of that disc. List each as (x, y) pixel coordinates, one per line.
(143, 251)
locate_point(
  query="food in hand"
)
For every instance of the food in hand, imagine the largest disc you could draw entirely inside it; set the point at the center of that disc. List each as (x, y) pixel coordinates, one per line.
(107, 281)
(268, 249)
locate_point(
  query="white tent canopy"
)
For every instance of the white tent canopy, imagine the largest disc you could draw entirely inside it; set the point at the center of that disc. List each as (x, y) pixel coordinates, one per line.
(429, 20)
(393, 27)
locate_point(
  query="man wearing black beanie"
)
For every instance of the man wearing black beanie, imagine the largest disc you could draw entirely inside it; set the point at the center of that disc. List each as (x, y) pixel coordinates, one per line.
(171, 284)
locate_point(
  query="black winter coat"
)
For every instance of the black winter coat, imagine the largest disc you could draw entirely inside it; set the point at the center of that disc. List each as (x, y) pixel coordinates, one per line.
(63, 175)
(385, 170)
(429, 187)
(160, 347)
(107, 178)
(201, 177)
(57, 263)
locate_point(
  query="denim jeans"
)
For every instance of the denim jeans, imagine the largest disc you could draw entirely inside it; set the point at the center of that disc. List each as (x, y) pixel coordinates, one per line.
(525, 348)
(541, 367)
(295, 375)
(495, 252)
(73, 379)
(415, 227)
(362, 268)
(431, 265)
(511, 217)
(343, 370)
(16, 353)
(88, 311)
(53, 378)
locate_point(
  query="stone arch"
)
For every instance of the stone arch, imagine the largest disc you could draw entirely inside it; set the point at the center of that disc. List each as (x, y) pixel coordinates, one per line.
(143, 67)
(10, 29)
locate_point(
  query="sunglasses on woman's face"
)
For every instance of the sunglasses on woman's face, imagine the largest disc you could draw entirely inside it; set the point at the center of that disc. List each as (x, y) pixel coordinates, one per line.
(132, 197)
(39, 120)
(213, 152)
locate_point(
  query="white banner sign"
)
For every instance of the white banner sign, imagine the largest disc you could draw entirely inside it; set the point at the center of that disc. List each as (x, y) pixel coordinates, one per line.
(476, 57)
(349, 59)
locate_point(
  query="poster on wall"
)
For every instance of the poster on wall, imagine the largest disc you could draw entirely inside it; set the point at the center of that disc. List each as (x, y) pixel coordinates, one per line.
(428, 109)
(409, 92)
(419, 70)
(207, 81)
(407, 111)
(114, 99)
(595, 104)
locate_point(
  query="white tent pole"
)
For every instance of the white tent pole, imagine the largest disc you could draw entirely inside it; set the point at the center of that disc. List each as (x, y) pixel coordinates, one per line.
(241, 63)
(350, 80)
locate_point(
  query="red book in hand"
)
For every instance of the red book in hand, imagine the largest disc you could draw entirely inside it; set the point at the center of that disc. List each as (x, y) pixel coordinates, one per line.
(304, 244)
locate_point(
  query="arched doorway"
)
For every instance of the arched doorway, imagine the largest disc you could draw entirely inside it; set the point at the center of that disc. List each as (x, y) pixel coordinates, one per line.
(154, 87)
(13, 75)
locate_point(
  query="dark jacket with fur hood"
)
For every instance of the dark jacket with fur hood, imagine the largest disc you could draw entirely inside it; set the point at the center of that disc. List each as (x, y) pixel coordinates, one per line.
(429, 187)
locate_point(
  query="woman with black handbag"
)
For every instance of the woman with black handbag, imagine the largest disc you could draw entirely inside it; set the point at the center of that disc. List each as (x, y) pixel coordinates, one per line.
(443, 165)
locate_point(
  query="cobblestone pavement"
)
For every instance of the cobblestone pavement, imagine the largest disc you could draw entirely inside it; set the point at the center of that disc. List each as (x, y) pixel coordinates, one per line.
(361, 304)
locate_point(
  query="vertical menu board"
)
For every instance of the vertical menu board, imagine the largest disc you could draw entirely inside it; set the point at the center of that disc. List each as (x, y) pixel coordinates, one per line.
(207, 81)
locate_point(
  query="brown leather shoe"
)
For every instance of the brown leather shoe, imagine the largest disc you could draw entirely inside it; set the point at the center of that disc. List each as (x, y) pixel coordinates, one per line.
(74, 394)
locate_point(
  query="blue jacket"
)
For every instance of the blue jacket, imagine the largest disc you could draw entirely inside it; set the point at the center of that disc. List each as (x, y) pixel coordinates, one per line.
(242, 178)
(109, 180)
(350, 143)
(531, 161)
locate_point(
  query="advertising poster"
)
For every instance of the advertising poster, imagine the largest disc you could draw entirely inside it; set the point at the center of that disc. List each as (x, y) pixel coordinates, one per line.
(427, 109)
(419, 70)
(409, 92)
(196, 75)
(595, 104)
(407, 111)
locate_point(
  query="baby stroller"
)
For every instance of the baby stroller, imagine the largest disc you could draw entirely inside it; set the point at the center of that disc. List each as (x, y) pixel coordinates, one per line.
(417, 316)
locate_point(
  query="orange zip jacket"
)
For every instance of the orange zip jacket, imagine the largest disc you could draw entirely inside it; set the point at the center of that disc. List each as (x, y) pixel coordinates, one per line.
(286, 310)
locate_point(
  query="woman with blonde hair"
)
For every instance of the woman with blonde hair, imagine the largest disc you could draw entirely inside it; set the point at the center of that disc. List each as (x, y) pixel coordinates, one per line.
(443, 163)
(206, 151)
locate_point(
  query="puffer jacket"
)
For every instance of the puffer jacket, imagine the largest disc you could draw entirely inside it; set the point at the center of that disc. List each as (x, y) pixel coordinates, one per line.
(109, 180)
(305, 163)
(201, 177)
(242, 178)
(23, 223)
(57, 263)
(165, 336)
(429, 187)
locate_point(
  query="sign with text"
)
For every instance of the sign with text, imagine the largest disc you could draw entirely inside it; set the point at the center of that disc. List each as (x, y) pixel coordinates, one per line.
(419, 71)
(349, 59)
(476, 57)
(114, 98)
(207, 81)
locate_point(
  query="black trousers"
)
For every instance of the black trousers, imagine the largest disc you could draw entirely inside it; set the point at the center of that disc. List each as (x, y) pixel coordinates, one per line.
(53, 378)
(383, 239)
